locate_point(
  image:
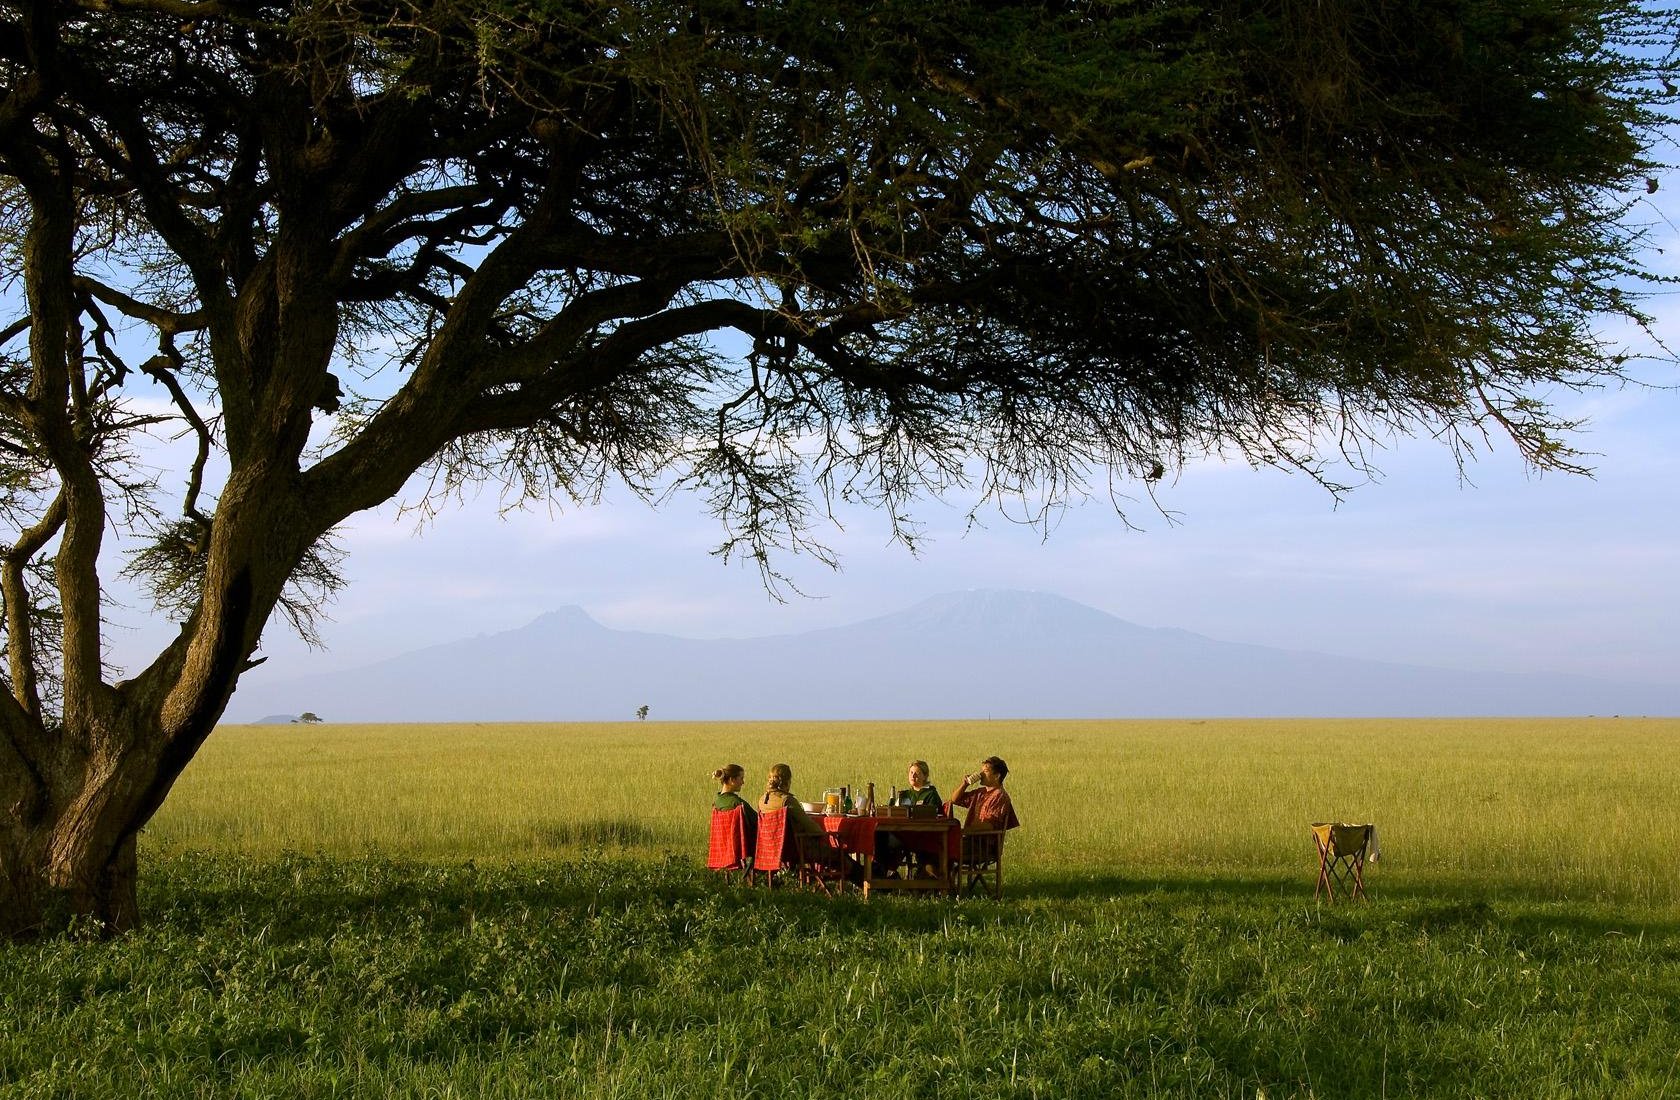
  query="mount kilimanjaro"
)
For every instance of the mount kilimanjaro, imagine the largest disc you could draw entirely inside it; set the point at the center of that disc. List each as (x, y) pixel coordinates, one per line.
(984, 654)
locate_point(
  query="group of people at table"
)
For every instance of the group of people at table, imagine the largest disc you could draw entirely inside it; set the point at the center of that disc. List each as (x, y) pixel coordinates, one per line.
(980, 793)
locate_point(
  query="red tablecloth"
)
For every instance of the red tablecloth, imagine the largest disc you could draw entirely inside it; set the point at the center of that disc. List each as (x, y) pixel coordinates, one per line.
(854, 835)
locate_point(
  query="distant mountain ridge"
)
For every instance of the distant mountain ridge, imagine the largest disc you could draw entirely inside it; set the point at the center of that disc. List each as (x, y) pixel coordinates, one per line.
(987, 653)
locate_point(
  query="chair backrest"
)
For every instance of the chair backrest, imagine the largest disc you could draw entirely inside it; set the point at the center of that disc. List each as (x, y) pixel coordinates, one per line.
(1340, 839)
(981, 846)
(772, 829)
(727, 848)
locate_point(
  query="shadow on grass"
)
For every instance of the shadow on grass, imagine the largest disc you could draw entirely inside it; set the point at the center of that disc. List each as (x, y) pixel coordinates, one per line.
(1429, 906)
(308, 896)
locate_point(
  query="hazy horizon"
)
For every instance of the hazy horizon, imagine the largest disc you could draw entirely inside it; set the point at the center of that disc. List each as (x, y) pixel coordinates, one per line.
(966, 655)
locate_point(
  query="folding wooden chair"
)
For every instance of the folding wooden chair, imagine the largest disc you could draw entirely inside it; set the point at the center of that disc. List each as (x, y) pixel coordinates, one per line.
(821, 863)
(1342, 849)
(980, 864)
(727, 851)
(767, 853)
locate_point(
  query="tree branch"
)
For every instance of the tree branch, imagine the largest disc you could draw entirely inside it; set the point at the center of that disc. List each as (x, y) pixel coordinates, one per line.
(157, 368)
(597, 367)
(167, 321)
(19, 627)
(15, 329)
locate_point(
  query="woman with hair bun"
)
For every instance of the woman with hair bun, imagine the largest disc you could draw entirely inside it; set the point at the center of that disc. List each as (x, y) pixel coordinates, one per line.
(730, 777)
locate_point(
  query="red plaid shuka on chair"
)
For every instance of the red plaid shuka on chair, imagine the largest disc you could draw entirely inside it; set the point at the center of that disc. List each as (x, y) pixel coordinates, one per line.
(728, 848)
(767, 856)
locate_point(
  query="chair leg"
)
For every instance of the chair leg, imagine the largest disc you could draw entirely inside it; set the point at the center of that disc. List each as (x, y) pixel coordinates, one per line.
(977, 877)
(1341, 874)
(1325, 886)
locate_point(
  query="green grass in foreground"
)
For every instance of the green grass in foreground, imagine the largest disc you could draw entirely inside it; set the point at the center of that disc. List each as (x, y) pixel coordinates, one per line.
(314, 977)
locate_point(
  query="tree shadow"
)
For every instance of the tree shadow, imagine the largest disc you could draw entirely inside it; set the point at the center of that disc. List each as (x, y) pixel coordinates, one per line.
(1426, 905)
(300, 896)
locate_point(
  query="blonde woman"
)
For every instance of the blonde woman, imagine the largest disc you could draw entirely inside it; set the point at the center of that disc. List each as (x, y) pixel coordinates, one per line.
(778, 794)
(919, 853)
(920, 792)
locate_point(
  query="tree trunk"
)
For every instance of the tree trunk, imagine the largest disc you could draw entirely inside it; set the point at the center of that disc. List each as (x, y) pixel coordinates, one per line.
(67, 840)
(45, 894)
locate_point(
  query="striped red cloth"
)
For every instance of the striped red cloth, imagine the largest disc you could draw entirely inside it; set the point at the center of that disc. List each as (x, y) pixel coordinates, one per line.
(728, 848)
(772, 829)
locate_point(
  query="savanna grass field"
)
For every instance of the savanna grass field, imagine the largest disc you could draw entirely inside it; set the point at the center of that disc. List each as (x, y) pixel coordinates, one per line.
(522, 911)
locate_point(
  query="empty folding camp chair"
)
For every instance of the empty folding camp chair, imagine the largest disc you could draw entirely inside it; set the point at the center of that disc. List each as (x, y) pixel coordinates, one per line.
(727, 849)
(1342, 850)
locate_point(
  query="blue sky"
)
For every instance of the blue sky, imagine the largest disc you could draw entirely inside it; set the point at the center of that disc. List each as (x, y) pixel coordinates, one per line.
(1505, 570)
(1508, 570)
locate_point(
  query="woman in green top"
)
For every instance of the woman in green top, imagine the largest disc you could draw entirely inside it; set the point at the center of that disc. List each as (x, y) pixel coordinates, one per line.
(920, 792)
(730, 777)
(913, 854)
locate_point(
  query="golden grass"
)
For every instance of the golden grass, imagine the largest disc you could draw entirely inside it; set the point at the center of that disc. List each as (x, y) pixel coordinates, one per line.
(1566, 808)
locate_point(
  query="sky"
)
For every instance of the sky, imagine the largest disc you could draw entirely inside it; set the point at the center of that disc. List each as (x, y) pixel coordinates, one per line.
(1500, 569)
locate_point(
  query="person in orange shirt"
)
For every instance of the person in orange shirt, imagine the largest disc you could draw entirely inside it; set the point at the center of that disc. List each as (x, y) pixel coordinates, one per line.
(988, 804)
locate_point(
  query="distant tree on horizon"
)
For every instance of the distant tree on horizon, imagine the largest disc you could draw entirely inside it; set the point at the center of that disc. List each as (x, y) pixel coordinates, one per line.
(642, 713)
(309, 717)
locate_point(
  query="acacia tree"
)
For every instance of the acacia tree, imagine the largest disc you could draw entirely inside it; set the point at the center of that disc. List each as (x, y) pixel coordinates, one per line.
(1006, 248)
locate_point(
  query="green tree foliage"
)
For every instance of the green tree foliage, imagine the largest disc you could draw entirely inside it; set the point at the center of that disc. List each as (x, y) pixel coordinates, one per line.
(1013, 250)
